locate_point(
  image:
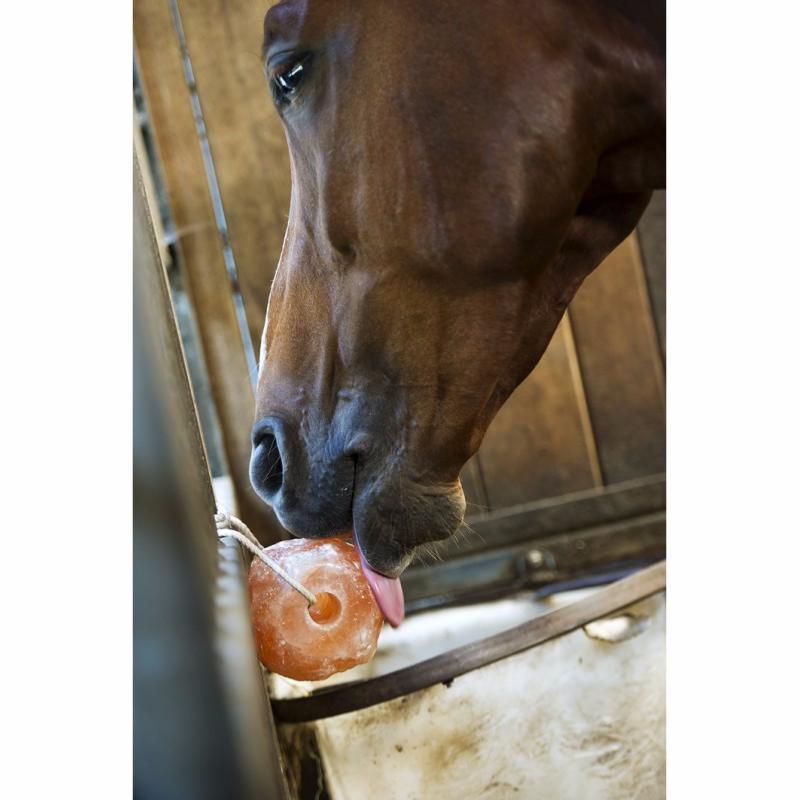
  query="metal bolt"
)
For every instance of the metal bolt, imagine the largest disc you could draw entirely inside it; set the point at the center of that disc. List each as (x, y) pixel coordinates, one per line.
(535, 558)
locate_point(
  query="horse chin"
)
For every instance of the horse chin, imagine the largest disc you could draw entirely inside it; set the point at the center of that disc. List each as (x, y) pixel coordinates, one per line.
(395, 517)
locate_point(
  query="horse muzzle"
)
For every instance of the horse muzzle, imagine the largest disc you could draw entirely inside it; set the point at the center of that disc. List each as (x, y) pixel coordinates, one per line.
(341, 482)
(310, 490)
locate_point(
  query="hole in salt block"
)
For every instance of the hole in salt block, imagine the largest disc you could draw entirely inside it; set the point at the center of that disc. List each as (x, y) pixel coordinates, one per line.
(326, 609)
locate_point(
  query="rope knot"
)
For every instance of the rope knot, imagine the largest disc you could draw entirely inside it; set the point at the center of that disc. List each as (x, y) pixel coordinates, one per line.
(228, 525)
(223, 520)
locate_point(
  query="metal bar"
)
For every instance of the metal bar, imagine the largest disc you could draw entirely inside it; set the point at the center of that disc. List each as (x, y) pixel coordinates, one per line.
(537, 562)
(445, 667)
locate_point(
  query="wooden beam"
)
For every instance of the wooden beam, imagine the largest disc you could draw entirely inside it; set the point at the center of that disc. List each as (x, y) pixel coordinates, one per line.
(536, 446)
(202, 724)
(621, 366)
(569, 512)
(158, 318)
(586, 556)
(652, 235)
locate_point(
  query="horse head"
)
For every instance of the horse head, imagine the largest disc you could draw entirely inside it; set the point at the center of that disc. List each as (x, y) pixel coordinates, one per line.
(457, 171)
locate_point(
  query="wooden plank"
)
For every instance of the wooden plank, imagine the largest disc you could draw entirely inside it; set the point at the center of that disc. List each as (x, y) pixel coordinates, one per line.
(580, 400)
(150, 189)
(198, 696)
(334, 700)
(536, 447)
(200, 247)
(158, 318)
(569, 512)
(248, 145)
(564, 557)
(652, 235)
(621, 366)
(247, 697)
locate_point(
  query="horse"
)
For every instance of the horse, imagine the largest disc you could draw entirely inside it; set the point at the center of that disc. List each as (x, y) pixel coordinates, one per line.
(458, 169)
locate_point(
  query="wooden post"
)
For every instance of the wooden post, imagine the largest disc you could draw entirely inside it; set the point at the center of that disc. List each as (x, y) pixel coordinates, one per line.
(202, 723)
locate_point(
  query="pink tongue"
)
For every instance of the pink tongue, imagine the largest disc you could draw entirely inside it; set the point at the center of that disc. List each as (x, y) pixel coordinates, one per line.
(388, 592)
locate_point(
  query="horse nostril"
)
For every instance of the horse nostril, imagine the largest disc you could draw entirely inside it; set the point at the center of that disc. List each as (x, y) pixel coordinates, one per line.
(272, 478)
(267, 464)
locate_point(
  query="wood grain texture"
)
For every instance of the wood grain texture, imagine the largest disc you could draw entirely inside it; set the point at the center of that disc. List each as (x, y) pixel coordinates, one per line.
(571, 512)
(158, 319)
(543, 562)
(200, 248)
(536, 446)
(247, 142)
(621, 366)
(652, 235)
(191, 599)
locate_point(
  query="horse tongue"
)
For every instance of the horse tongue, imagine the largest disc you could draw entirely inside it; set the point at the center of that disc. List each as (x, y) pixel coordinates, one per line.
(388, 592)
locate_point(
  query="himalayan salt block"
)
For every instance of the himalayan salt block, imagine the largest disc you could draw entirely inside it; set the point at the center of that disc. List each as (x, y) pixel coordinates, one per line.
(337, 632)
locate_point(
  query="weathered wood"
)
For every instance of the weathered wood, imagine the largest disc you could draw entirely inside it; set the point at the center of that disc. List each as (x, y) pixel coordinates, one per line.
(536, 447)
(200, 248)
(150, 189)
(344, 699)
(565, 557)
(652, 235)
(569, 512)
(580, 399)
(179, 714)
(621, 366)
(248, 145)
(158, 318)
(204, 703)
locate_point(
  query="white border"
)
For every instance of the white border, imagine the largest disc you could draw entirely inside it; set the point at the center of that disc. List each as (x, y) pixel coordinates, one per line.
(733, 402)
(66, 419)
(732, 394)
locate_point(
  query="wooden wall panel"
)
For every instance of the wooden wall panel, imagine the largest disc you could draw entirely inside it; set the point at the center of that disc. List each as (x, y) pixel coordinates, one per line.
(621, 366)
(200, 246)
(247, 142)
(198, 694)
(157, 322)
(652, 235)
(539, 444)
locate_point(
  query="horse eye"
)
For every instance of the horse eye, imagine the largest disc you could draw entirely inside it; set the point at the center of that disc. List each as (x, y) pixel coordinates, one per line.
(287, 79)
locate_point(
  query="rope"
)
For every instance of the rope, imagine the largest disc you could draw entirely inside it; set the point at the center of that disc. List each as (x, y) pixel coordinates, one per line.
(228, 525)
